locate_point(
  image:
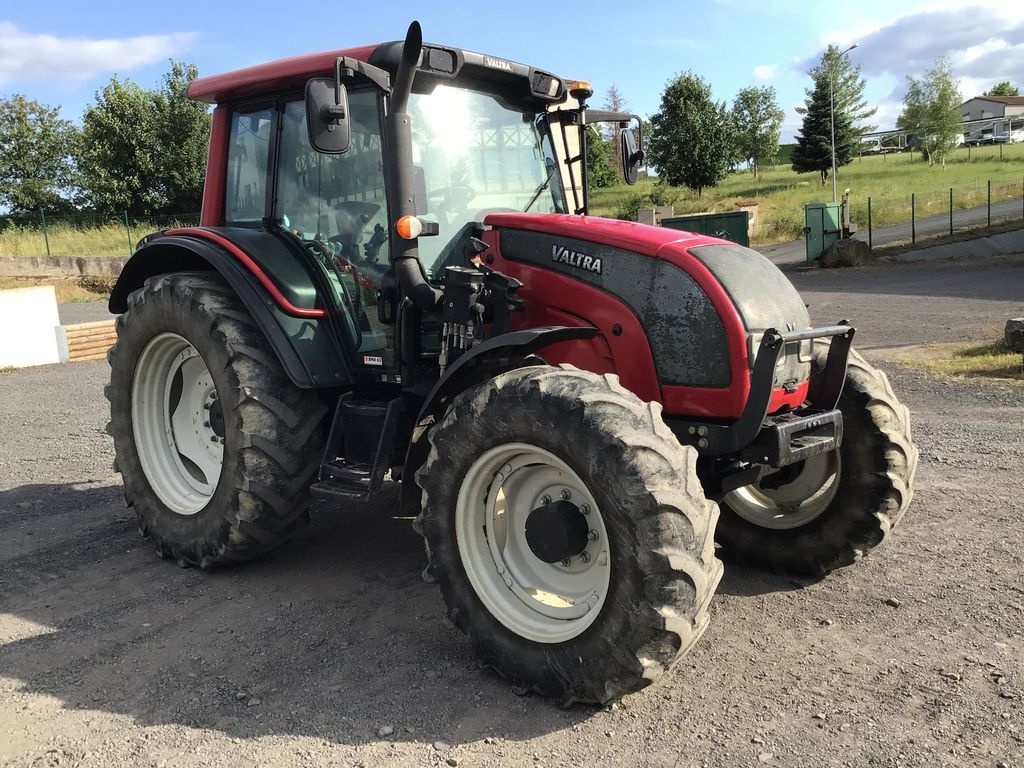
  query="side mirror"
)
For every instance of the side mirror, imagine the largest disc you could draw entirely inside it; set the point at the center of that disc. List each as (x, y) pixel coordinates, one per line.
(631, 156)
(327, 116)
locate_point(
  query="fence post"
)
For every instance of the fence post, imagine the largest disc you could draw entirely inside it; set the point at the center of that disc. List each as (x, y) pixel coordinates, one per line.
(950, 210)
(128, 229)
(913, 220)
(869, 223)
(990, 201)
(46, 237)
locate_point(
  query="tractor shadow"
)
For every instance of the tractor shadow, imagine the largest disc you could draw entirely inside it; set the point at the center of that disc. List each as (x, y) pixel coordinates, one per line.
(744, 581)
(333, 636)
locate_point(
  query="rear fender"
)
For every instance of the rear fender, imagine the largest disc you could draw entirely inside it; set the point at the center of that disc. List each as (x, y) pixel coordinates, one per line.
(496, 355)
(303, 340)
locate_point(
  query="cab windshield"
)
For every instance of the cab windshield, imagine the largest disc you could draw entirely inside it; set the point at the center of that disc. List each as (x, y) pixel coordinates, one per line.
(473, 156)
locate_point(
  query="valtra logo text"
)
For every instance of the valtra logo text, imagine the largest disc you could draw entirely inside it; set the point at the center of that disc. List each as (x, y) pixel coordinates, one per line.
(562, 255)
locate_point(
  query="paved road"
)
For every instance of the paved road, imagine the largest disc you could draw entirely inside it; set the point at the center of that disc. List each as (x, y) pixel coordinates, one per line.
(896, 305)
(792, 253)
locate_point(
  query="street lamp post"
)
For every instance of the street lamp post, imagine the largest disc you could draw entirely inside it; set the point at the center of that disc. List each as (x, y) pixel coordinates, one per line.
(832, 114)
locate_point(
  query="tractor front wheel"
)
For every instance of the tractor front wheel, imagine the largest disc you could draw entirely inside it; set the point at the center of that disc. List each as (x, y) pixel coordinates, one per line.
(569, 533)
(215, 445)
(832, 509)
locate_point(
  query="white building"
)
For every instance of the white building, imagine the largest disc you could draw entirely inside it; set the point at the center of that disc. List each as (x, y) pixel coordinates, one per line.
(993, 114)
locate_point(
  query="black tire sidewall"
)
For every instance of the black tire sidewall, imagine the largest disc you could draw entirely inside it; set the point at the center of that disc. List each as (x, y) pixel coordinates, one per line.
(849, 526)
(149, 315)
(605, 650)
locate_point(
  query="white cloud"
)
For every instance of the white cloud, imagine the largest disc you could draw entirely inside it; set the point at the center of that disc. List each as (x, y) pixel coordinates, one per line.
(765, 72)
(29, 56)
(985, 43)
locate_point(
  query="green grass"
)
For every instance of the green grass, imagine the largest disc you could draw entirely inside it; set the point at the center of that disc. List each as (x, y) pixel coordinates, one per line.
(994, 361)
(67, 240)
(781, 194)
(888, 180)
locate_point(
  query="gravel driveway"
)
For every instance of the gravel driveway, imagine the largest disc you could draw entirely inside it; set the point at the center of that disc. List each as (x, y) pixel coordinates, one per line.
(334, 652)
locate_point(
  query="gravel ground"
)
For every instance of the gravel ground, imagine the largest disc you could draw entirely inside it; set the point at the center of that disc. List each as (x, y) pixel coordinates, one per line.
(334, 651)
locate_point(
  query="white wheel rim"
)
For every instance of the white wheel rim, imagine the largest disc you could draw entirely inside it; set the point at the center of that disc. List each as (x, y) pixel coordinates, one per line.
(177, 423)
(794, 504)
(544, 602)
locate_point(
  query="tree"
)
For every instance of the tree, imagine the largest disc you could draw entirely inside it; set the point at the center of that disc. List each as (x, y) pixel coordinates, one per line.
(1005, 88)
(758, 120)
(931, 111)
(143, 150)
(848, 88)
(37, 148)
(182, 129)
(600, 172)
(838, 89)
(119, 149)
(692, 139)
(615, 102)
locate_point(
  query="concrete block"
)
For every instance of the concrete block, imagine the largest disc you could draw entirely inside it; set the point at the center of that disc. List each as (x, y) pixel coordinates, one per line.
(28, 327)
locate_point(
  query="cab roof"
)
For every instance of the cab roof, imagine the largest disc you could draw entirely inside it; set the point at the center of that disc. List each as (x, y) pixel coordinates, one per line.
(272, 77)
(519, 85)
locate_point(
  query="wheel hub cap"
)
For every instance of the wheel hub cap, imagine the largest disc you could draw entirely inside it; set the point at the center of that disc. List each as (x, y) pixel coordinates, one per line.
(557, 531)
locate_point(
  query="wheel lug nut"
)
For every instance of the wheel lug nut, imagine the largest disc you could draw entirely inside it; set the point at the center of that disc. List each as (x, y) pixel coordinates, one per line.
(584, 556)
(206, 423)
(545, 499)
(593, 535)
(213, 439)
(585, 509)
(567, 562)
(566, 495)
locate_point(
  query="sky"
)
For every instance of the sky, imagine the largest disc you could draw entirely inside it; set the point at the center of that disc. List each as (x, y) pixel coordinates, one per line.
(63, 51)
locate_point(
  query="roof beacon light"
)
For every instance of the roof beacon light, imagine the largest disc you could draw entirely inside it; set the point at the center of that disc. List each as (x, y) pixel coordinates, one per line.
(581, 90)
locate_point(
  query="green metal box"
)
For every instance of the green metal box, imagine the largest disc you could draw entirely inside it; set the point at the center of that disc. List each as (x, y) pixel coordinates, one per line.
(821, 228)
(728, 226)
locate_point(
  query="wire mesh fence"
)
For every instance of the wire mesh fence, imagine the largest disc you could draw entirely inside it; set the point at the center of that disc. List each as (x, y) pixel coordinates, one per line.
(941, 212)
(38, 233)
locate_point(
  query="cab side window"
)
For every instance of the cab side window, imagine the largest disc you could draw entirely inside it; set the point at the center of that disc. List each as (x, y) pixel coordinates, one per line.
(248, 153)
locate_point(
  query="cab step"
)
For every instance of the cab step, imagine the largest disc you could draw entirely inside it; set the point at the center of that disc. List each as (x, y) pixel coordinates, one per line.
(343, 479)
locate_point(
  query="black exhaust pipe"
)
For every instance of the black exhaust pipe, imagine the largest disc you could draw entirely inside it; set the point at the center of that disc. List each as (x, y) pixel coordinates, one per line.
(405, 253)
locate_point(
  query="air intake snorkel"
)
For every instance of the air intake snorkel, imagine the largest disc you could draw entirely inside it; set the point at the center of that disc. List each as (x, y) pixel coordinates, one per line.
(401, 184)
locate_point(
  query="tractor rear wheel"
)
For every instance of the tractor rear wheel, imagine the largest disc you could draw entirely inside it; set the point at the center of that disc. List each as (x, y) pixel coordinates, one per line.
(216, 447)
(832, 509)
(569, 533)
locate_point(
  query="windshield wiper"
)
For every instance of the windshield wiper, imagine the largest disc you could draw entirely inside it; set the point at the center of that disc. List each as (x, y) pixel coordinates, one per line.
(543, 185)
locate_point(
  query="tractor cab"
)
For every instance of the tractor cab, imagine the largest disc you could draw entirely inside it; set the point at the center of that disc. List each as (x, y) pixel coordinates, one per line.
(478, 135)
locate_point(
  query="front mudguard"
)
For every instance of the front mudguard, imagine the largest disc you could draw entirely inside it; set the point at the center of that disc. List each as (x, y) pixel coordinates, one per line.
(487, 359)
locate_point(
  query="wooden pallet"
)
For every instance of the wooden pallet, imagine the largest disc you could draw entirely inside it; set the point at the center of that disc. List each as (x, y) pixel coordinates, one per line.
(89, 341)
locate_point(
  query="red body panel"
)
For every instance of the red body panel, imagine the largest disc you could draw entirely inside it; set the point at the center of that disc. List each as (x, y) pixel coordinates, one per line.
(252, 266)
(212, 214)
(548, 293)
(272, 77)
(555, 299)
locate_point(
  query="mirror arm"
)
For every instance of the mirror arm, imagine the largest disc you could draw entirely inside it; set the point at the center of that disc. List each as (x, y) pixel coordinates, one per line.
(346, 67)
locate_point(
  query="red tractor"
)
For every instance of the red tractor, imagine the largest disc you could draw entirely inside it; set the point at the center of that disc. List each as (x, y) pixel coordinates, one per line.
(395, 280)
